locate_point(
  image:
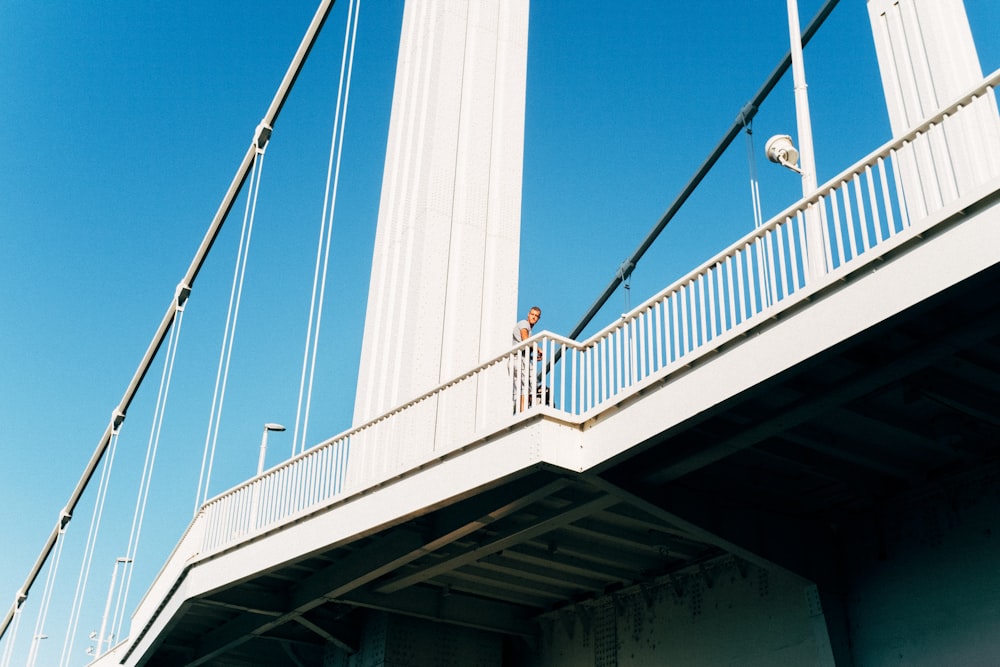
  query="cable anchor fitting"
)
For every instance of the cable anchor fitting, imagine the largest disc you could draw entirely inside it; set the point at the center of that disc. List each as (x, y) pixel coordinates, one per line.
(625, 270)
(747, 113)
(261, 136)
(117, 417)
(181, 295)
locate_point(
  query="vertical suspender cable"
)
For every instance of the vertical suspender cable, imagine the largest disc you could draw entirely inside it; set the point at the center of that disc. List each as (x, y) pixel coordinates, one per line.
(88, 554)
(326, 231)
(145, 483)
(229, 334)
(43, 610)
(8, 648)
(758, 217)
(242, 172)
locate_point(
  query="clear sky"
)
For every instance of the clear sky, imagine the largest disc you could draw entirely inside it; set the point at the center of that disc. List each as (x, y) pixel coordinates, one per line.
(124, 123)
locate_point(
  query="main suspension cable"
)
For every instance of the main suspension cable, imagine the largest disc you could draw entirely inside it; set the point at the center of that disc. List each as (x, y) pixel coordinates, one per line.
(8, 648)
(43, 609)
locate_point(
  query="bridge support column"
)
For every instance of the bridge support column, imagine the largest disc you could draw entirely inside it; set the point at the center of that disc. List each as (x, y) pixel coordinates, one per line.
(443, 291)
(927, 59)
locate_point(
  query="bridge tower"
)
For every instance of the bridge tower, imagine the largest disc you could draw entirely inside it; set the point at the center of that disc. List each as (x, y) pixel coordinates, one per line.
(927, 58)
(443, 291)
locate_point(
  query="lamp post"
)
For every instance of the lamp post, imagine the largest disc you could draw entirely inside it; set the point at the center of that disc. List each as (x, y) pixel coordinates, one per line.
(101, 638)
(263, 444)
(807, 164)
(255, 496)
(33, 653)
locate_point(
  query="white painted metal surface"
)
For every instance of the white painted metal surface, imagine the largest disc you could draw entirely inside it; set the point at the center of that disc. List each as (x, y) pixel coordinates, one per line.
(445, 268)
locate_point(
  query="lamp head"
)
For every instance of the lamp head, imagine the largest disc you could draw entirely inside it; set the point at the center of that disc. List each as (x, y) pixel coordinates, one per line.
(273, 427)
(780, 149)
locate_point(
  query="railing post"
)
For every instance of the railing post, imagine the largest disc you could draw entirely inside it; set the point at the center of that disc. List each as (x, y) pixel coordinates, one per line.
(816, 250)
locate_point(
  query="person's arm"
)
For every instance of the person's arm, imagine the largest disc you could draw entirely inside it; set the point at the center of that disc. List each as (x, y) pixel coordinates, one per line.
(524, 336)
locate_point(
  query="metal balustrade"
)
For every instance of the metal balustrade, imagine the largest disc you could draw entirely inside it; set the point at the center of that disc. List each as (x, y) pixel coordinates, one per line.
(884, 200)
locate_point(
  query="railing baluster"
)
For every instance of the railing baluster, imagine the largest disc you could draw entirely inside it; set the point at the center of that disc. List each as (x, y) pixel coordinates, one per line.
(827, 245)
(740, 290)
(900, 200)
(862, 218)
(602, 371)
(753, 276)
(852, 240)
(838, 231)
(616, 365)
(704, 305)
(712, 302)
(805, 259)
(684, 319)
(639, 351)
(731, 291)
(876, 218)
(890, 221)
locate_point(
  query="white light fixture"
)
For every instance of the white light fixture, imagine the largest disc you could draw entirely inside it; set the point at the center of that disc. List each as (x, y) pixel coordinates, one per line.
(263, 444)
(780, 149)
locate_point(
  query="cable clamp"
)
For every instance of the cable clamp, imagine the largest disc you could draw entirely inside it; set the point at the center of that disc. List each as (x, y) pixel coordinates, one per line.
(625, 270)
(182, 294)
(261, 136)
(117, 417)
(747, 113)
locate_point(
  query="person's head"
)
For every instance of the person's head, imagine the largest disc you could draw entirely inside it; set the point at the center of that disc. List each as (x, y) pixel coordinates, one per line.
(534, 315)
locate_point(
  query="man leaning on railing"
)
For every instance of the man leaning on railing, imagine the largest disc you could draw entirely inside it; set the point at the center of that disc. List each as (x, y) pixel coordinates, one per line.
(524, 376)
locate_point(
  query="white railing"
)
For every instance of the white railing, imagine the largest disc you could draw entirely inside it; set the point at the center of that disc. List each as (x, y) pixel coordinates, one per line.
(859, 215)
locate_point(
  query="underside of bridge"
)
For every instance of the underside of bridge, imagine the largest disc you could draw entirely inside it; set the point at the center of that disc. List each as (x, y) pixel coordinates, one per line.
(794, 474)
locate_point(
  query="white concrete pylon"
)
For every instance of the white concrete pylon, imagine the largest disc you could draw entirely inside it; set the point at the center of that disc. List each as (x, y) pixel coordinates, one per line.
(443, 291)
(927, 59)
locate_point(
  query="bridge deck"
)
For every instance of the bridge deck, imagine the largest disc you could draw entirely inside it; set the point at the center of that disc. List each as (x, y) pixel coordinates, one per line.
(859, 389)
(547, 515)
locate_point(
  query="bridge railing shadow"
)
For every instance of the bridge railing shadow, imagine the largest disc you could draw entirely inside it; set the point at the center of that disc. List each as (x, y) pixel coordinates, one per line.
(884, 201)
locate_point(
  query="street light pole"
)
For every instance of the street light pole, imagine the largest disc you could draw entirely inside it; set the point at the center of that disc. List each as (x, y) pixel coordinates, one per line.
(807, 159)
(107, 607)
(33, 653)
(263, 444)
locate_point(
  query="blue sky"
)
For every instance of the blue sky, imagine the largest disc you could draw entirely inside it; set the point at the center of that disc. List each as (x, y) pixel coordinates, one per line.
(124, 123)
